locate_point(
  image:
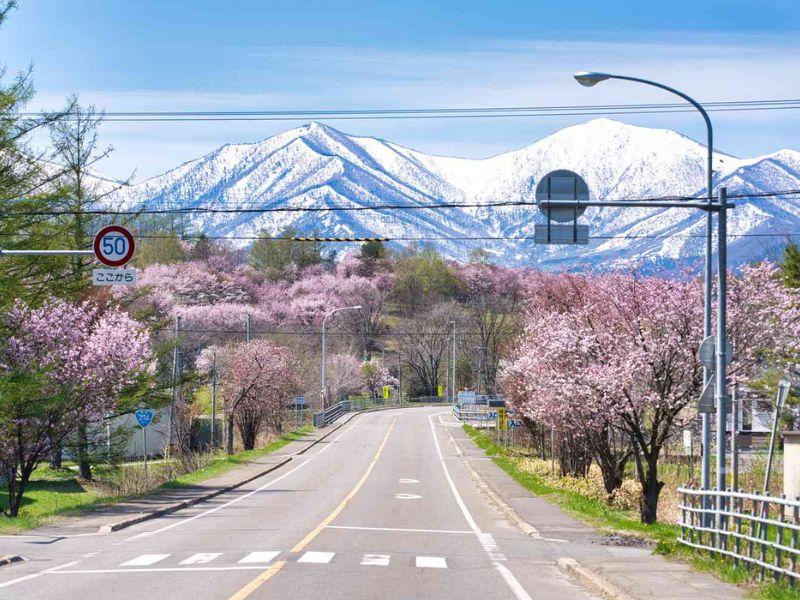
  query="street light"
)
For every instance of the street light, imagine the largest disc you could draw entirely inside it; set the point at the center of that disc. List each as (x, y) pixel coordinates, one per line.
(324, 321)
(591, 78)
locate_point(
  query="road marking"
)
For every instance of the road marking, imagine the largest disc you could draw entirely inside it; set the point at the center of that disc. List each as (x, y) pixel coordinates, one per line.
(145, 560)
(254, 585)
(260, 557)
(400, 529)
(201, 558)
(20, 579)
(408, 480)
(258, 581)
(375, 560)
(512, 582)
(318, 558)
(327, 520)
(431, 562)
(152, 570)
(407, 496)
(243, 496)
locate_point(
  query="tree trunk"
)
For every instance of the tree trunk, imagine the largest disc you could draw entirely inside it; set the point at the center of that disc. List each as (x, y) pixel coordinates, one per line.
(16, 489)
(651, 490)
(55, 457)
(83, 451)
(229, 435)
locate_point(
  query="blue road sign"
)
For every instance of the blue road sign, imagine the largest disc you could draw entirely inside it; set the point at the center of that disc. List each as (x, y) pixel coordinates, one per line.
(144, 416)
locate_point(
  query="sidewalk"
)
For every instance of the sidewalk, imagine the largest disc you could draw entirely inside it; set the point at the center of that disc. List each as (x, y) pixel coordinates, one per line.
(633, 569)
(112, 517)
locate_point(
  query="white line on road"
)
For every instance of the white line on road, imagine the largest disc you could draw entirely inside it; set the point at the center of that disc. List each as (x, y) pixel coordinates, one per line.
(407, 496)
(260, 557)
(375, 560)
(320, 558)
(243, 496)
(151, 570)
(400, 529)
(201, 558)
(20, 579)
(145, 560)
(508, 576)
(431, 562)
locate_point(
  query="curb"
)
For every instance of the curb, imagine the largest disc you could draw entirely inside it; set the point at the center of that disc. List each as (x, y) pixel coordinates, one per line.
(186, 503)
(590, 580)
(10, 559)
(505, 509)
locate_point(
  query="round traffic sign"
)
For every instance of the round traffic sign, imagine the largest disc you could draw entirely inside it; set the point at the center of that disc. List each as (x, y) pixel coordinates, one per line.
(566, 186)
(114, 245)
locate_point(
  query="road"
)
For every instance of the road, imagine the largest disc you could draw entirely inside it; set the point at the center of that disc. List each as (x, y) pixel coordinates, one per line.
(383, 508)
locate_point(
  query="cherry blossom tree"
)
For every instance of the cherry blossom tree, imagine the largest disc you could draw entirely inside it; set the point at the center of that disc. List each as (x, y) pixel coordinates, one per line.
(620, 351)
(61, 365)
(258, 380)
(374, 376)
(342, 376)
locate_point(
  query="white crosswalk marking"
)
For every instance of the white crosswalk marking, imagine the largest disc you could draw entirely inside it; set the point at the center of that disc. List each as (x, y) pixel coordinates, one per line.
(375, 560)
(431, 562)
(316, 557)
(144, 560)
(201, 558)
(260, 557)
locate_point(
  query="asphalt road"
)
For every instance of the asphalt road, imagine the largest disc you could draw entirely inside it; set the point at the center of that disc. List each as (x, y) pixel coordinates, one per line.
(381, 509)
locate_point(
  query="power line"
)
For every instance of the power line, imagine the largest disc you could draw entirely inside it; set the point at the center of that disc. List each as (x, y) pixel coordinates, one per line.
(437, 113)
(358, 208)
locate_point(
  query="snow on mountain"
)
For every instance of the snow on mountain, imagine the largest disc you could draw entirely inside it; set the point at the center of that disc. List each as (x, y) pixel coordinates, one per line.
(317, 165)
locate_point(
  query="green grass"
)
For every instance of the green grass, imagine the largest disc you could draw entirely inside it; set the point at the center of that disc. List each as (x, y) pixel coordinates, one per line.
(601, 516)
(52, 493)
(226, 463)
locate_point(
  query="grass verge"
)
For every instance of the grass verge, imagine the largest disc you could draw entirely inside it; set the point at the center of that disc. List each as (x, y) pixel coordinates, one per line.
(603, 517)
(53, 493)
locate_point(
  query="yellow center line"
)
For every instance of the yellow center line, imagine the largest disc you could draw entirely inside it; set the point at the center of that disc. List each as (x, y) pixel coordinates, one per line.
(263, 577)
(256, 583)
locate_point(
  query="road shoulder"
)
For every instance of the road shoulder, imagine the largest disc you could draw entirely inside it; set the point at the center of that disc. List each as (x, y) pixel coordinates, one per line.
(634, 572)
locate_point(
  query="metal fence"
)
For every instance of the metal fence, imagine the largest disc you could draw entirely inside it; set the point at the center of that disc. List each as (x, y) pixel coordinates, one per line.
(474, 415)
(760, 532)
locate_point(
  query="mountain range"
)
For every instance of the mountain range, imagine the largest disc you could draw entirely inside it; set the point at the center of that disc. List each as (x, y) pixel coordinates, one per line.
(318, 166)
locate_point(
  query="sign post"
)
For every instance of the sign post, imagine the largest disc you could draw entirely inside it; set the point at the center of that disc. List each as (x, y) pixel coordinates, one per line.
(114, 246)
(144, 417)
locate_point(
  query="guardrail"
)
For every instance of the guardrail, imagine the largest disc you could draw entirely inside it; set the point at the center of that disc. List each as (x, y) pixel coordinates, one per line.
(760, 532)
(474, 416)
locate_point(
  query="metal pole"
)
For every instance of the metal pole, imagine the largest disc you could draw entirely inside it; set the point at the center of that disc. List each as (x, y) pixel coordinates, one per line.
(249, 327)
(720, 392)
(323, 393)
(214, 401)
(735, 438)
(400, 377)
(783, 392)
(175, 373)
(453, 363)
(144, 451)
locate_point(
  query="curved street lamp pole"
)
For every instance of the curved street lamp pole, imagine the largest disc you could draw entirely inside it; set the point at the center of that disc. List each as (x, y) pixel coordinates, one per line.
(323, 393)
(588, 79)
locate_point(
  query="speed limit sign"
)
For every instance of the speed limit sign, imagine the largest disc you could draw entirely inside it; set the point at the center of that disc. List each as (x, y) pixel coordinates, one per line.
(114, 245)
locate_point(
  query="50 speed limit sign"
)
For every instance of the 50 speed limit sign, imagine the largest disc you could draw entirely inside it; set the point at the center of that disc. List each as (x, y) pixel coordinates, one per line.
(114, 246)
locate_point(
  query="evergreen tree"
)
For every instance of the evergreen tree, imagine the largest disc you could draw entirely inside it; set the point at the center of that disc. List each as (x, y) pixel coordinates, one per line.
(790, 266)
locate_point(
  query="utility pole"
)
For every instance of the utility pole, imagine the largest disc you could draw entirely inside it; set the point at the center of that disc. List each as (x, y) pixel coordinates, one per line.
(214, 401)
(453, 365)
(735, 438)
(175, 375)
(720, 392)
(481, 355)
(249, 327)
(400, 376)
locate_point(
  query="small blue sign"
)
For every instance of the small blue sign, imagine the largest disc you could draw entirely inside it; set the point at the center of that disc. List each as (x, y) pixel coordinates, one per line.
(144, 416)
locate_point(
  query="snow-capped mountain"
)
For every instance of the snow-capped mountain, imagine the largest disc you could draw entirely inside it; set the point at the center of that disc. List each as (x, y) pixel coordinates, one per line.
(317, 165)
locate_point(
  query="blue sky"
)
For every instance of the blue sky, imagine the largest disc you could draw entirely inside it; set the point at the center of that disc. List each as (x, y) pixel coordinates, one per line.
(247, 55)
